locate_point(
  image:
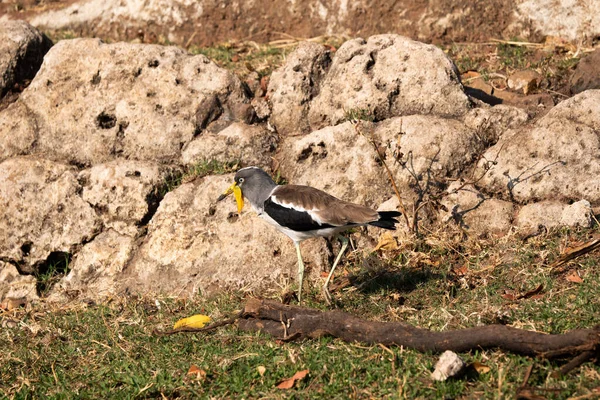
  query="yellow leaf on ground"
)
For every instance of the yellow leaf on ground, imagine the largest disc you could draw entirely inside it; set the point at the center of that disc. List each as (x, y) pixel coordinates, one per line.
(481, 368)
(261, 370)
(195, 321)
(386, 242)
(289, 383)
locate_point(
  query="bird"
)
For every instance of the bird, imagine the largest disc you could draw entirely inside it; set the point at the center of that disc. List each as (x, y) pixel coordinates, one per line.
(304, 212)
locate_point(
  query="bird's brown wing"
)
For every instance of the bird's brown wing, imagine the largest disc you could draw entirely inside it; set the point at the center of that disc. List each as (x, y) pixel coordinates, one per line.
(322, 206)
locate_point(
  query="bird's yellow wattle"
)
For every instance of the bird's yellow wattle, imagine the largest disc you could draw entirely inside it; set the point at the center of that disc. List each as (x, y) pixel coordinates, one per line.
(239, 199)
(237, 193)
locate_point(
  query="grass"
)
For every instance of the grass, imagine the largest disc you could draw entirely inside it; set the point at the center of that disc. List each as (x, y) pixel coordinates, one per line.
(109, 351)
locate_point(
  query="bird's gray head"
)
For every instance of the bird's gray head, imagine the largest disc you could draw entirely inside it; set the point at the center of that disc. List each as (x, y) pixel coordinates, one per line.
(256, 185)
(252, 183)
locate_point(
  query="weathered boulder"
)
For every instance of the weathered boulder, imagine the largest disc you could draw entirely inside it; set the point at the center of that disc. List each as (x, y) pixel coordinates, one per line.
(195, 244)
(475, 212)
(429, 148)
(556, 158)
(18, 131)
(93, 102)
(41, 211)
(339, 160)
(424, 147)
(95, 271)
(551, 214)
(386, 76)
(14, 286)
(568, 19)
(381, 77)
(587, 74)
(124, 193)
(295, 84)
(248, 144)
(491, 122)
(22, 49)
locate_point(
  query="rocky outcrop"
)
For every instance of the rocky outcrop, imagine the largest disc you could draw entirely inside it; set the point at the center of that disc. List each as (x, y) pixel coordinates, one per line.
(556, 158)
(195, 245)
(16, 287)
(140, 102)
(378, 78)
(125, 193)
(246, 144)
(105, 162)
(22, 49)
(571, 20)
(41, 212)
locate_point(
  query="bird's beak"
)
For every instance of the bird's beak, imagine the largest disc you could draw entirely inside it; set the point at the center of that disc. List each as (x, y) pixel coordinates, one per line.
(237, 193)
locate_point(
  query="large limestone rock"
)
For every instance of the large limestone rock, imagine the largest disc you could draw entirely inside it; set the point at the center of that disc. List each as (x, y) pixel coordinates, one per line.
(552, 214)
(194, 244)
(429, 148)
(246, 144)
(568, 19)
(554, 159)
(41, 211)
(382, 77)
(295, 84)
(93, 102)
(124, 192)
(587, 74)
(474, 212)
(22, 49)
(342, 160)
(97, 268)
(338, 160)
(491, 122)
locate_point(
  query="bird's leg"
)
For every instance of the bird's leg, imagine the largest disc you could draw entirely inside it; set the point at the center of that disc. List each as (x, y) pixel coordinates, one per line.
(344, 242)
(300, 271)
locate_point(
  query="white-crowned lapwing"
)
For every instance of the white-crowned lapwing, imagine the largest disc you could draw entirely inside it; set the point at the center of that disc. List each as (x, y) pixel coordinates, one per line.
(303, 212)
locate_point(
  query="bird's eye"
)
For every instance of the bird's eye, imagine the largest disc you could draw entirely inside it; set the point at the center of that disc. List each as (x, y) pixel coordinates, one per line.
(240, 180)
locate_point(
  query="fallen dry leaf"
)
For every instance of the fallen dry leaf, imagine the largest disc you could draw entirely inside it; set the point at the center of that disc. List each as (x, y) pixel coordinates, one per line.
(460, 271)
(195, 321)
(289, 383)
(574, 277)
(196, 373)
(386, 242)
(481, 368)
(11, 304)
(261, 370)
(532, 294)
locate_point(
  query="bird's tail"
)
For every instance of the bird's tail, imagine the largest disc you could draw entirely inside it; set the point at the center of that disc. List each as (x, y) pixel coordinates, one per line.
(387, 220)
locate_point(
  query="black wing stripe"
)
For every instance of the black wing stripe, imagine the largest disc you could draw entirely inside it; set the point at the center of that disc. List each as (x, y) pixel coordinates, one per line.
(299, 221)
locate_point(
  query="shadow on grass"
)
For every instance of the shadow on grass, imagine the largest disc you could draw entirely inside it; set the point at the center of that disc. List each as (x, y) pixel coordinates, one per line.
(401, 281)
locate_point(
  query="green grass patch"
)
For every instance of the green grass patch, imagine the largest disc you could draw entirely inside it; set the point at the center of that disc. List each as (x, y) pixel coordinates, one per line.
(109, 350)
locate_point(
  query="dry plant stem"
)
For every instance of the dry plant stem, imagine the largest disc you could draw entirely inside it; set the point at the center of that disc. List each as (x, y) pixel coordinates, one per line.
(576, 252)
(267, 316)
(390, 175)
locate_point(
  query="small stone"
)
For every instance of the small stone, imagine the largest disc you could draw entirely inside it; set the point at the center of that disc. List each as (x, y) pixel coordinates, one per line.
(524, 81)
(448, 366)
(577, 214)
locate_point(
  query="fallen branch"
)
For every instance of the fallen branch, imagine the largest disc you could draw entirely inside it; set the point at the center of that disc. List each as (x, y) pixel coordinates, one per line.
(574, 252)
(286, 322)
